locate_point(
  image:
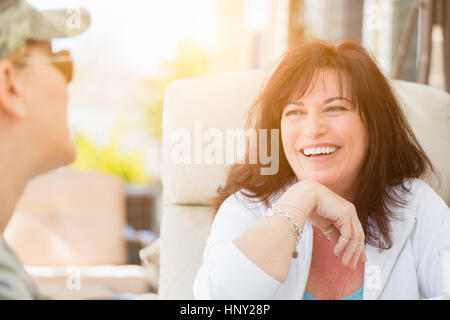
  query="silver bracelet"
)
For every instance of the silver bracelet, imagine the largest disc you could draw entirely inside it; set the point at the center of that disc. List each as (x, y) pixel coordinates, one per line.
(292, 222)
(283, 216)
(293, 206)
(296, 230)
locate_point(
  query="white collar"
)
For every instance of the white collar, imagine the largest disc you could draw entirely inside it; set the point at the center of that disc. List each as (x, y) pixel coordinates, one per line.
(380, 264)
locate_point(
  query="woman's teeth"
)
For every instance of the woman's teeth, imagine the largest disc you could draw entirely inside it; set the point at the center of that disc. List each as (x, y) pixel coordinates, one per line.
(315, 151)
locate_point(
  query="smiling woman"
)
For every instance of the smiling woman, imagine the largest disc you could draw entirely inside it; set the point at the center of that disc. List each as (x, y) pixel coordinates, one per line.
(348, 185)
(324, 118)
(377, 145)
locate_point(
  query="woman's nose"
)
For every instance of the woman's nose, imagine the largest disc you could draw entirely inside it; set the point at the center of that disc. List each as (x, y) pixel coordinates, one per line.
(314, 126)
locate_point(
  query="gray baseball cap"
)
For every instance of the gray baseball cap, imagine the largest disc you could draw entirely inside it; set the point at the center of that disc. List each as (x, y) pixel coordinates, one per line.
(20, 22)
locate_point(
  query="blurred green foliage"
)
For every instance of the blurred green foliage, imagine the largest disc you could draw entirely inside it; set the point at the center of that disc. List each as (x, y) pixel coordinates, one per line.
(130, 167)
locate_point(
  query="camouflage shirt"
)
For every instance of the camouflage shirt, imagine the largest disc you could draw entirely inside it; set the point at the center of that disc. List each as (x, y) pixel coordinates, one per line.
(15, 282)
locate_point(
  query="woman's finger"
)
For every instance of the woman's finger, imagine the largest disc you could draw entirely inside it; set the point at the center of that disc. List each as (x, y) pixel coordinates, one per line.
(352, 245)
(345, 229)
(363, 242)
(360, 253)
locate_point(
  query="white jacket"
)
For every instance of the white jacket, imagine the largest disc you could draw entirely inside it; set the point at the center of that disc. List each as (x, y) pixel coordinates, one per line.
(410, 269)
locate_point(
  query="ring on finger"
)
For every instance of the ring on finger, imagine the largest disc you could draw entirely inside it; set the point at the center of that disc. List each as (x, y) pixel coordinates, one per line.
(328, 232)
(343, 239)
(361, 243)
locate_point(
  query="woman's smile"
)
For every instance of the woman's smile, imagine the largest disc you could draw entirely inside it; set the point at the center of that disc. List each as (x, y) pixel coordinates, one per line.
(315, 156)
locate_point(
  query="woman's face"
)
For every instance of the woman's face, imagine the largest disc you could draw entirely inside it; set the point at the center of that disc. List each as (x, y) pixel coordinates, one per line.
(323, 136)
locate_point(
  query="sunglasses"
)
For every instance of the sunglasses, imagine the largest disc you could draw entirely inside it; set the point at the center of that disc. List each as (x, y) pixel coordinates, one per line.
(62, 60)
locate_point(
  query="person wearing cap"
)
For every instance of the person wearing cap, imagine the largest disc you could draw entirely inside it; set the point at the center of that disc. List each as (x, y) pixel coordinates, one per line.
(34, 137)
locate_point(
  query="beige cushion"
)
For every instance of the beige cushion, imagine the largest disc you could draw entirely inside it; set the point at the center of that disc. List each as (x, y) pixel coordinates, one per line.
(220, 101)
(428, 112)
(184, 230)
(70, 217)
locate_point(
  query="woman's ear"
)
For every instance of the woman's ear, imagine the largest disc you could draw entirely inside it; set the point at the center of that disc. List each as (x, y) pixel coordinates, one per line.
(10, 92)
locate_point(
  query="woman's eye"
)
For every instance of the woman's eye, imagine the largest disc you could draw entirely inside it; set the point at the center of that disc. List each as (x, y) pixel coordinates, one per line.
(293, 113)
(335, 108)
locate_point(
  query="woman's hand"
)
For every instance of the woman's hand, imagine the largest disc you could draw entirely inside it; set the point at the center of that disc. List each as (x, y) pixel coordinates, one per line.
(331, 213)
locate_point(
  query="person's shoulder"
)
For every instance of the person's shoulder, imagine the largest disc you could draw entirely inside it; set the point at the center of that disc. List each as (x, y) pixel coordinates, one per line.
(421, 190)
(12, 285)
(422, 197)
(243, 199)
(236, 212)
(6, 255)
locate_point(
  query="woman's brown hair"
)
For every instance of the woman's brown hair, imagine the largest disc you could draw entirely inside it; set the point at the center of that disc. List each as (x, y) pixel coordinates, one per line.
(393, 154)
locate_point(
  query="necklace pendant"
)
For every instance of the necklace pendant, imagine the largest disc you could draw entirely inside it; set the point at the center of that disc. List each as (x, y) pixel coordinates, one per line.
(295, 254)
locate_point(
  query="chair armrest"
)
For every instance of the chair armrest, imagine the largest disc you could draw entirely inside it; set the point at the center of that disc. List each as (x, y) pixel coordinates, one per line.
(150, 260)
(93, 282)
(150, 254)
(147, 296)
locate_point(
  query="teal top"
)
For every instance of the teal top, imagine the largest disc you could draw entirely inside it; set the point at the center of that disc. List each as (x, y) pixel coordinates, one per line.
(357, 295)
